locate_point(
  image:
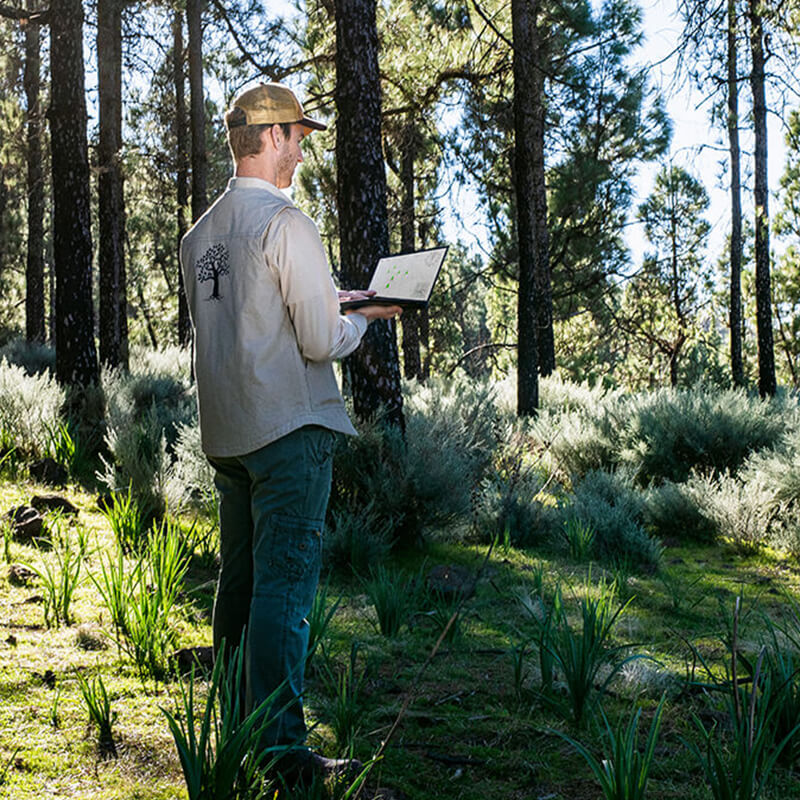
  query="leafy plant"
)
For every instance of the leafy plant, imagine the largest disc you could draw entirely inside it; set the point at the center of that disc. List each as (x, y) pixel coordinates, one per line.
(624, 770)
(101, 715)
(319, 618)
(580, 655)
(220, 748)
(743, 771)
(125, 518)
(346, 708)
(446, 612)
(116, 584)
(60, 574)
(579, 536)
(518, 653)
(149, 636)
(390, 595)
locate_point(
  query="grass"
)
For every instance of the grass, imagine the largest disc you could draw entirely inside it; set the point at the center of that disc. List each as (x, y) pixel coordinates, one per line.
(475, 728)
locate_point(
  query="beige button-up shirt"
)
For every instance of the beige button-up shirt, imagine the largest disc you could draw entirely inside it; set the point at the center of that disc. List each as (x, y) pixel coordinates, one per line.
(266, 318)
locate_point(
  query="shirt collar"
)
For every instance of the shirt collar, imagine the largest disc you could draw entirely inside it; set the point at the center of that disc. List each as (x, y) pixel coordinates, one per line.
(257, 183)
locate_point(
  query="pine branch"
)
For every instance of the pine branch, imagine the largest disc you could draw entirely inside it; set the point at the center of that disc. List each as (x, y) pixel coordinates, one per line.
(25, 17)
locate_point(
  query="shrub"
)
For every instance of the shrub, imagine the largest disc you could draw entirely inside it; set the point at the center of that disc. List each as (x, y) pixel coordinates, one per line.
(146, 409)
(139, 462)
(673, 432)
(34, 357)
(357, 539)
(778, 471)
(740, 512)
(29, 409)
(608, 503)
(507, 502)
(450, 434)
(675, 509)
(428, 477)
(663, 435)
(584, 439)
(193, 475)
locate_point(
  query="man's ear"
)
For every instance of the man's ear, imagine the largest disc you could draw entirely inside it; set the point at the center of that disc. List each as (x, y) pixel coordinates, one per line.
(276, 135)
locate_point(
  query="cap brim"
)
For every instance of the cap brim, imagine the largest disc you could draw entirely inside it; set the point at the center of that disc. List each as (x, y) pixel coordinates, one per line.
(312, 125)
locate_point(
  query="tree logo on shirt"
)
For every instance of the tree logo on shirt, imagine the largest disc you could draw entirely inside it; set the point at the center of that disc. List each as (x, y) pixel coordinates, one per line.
(211, 266)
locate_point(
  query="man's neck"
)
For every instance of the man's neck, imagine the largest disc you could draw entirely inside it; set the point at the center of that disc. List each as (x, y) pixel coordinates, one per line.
(253, 168)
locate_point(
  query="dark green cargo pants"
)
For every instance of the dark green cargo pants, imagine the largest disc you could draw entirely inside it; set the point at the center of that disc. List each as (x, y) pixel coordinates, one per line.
(272, 506)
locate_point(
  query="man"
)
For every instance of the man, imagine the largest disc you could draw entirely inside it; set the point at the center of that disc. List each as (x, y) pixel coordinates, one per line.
(267, 327)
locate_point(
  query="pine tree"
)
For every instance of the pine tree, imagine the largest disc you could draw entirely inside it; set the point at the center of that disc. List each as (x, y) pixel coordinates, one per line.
(76, 355)
(373, 371)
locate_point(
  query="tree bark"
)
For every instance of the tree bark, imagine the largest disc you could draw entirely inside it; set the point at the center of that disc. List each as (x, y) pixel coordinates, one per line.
(182, 149)
(373, 370)
(534, 304)
(34, 267)
(76, 355)
(412, 365)
(197, 114)
(766, 354)
(113, 305)
(737, 363)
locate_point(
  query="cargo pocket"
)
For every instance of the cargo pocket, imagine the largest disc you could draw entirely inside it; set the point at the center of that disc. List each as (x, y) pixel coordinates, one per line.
(296, 546)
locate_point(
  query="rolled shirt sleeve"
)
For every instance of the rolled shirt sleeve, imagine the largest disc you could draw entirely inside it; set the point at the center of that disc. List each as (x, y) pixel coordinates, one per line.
(294, 250)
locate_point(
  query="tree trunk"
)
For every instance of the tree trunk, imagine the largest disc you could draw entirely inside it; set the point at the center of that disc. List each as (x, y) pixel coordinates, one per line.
(412, 366)
(111, 205)
(76, 356)
(34, 267)
(737, 364)
(373, 370)
(194, 10)
(528, 171)
(182, 149)
(766, 355)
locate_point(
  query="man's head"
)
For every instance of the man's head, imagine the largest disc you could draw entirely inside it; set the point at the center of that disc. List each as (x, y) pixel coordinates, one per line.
(259, 108)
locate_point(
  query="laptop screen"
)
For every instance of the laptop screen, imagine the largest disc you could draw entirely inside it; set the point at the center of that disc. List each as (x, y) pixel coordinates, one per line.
(409, 276)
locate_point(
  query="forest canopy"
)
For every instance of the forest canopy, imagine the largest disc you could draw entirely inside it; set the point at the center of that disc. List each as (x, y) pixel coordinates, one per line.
(534, 117)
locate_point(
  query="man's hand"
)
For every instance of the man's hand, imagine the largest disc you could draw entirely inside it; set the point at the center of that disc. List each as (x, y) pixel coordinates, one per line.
(377, 312)
(348, 295)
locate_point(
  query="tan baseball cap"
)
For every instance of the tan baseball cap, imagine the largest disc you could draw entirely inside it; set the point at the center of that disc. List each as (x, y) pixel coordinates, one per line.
(270, 104)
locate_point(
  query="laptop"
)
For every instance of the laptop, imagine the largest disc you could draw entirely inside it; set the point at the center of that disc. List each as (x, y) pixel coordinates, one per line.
(404, 280)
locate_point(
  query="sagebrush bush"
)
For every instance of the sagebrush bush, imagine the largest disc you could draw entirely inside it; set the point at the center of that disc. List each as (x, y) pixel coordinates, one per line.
(556, 394)
(450, 433)
(34, 357)
(146, 410)
(428, 477)
(192, 476)
(665, 434)
(673, 432)
(740, 512)
(29, 409)
(609, 503)
(139, 462)
(584, 439)
(356, 539)
(676, 510)
(509, 501)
